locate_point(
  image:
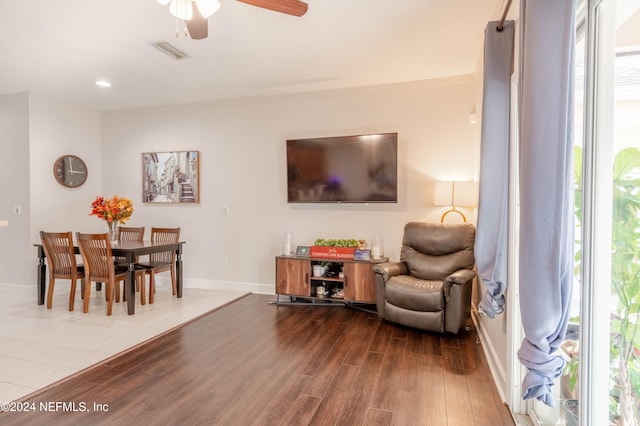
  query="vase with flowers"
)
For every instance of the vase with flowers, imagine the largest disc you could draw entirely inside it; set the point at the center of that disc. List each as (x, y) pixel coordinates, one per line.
(115, 210)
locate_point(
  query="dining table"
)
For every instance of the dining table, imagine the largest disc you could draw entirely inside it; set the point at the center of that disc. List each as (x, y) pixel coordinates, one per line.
(131, 251)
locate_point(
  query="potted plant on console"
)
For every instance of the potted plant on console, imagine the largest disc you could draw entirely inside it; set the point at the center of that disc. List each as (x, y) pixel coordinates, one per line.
(334, 248)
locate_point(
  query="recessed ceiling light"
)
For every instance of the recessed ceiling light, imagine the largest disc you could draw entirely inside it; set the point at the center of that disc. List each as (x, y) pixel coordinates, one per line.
(103, 83)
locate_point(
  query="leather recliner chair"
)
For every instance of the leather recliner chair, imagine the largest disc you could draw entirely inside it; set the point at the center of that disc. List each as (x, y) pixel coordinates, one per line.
(430, 288)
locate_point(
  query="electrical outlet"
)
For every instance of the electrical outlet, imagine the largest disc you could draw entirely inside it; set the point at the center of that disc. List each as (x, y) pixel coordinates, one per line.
(226, 211)
(225, 261)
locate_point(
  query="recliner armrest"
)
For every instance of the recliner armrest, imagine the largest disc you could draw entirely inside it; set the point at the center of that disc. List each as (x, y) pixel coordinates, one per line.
(460, 277)
(390, 269)
(382, 273)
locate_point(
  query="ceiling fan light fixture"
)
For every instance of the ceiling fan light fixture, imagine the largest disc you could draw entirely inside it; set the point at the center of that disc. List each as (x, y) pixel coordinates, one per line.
(207, 7)
(182, 9)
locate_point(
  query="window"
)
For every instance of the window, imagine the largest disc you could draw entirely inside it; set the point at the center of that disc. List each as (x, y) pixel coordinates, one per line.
(607, 136)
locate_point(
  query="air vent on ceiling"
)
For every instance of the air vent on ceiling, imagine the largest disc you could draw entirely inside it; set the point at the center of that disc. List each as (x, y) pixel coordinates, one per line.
(170, 50)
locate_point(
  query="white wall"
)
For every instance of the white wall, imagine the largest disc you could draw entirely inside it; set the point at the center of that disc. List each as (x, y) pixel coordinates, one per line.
(34, 132)
(58, 128)
(15, 247)
(242, 150)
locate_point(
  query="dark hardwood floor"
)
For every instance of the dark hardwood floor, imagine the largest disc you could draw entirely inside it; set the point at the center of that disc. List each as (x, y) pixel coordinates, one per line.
(251, 363)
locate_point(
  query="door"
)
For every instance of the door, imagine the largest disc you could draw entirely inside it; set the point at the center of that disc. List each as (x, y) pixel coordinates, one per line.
(604, 328)
(292, 276)
(359, 284)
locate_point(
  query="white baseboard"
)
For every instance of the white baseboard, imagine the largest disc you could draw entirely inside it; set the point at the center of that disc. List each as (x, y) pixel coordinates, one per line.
(497, 370)
(221, 285)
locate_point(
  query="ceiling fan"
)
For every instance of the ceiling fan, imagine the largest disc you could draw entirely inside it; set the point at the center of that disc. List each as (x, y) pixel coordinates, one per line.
(196, 17)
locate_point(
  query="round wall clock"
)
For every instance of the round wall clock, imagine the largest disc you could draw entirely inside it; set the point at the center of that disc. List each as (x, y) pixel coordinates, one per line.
(70, 171)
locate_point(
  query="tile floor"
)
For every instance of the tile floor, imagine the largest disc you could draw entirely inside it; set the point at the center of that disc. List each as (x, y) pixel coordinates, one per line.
(40, 346)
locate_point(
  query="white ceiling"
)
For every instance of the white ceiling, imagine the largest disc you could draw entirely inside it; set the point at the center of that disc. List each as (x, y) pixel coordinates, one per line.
(59, 48)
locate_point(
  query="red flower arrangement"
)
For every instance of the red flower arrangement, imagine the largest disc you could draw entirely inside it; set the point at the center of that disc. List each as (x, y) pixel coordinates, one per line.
(115, 209)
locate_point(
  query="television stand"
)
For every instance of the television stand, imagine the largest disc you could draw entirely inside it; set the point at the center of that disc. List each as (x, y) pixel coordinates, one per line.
(344, 282)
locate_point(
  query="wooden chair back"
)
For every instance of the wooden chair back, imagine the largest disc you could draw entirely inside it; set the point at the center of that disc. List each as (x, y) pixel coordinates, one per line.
(129, 233)
(99, 265)
(163, 261)
(58, 248)
(164, 235)
(96, 254)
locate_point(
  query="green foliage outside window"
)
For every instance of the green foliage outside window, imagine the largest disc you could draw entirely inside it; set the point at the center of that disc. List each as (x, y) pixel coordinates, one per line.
(624, 386)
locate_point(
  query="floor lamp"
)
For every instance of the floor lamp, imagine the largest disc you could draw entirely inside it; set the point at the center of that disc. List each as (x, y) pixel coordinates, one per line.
(461, 194)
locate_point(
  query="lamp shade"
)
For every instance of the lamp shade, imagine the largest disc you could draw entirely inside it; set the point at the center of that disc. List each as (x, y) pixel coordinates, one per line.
(443, 194)
(464, 194)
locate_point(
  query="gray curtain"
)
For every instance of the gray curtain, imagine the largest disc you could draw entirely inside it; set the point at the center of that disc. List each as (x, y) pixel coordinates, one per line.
(546, 189)
(492, 224)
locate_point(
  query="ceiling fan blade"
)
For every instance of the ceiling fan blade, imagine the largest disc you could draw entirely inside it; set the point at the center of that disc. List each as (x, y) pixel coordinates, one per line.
(290, 7)
(198, 26)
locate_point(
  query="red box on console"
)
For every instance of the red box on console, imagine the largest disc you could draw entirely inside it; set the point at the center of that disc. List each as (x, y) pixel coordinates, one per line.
(346, 253)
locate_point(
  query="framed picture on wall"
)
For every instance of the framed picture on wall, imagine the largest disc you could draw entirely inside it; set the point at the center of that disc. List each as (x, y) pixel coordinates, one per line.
(171, 177)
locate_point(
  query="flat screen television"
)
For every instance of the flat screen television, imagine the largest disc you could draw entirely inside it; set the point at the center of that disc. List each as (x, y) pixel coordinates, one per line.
(343, 169)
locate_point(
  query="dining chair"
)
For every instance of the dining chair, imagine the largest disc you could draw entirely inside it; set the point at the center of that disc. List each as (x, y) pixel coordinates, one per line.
(130, 233)
(97, 256)
(58, 248)
(163, 261)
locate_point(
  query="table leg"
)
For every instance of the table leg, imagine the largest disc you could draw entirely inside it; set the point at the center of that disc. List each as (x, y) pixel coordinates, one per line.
(130, 287)
(179, 272)
(42, 274)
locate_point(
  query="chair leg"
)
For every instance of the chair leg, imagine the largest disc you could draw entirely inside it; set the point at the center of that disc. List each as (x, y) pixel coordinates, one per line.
(173, 279)
(124, 291)
(72, 294)
(152, 287)
(52, 283)
(110, 291)
(140, 280)
(87, 294)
